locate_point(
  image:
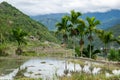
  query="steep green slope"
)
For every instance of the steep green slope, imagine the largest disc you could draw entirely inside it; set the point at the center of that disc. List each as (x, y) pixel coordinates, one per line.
(10, 17)
(115, 29)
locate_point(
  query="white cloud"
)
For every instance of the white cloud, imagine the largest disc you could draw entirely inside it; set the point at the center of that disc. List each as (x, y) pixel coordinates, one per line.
(35, 7)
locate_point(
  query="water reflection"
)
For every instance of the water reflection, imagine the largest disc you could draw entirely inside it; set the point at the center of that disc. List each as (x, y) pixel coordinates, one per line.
(8, 65)
(47, 68)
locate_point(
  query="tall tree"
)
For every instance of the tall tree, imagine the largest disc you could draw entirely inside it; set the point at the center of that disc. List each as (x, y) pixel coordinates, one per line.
(92, 23)
(118, 40)
(73, 20)
(62, 27)
(106, 37)
(81, 32)
(19, 36)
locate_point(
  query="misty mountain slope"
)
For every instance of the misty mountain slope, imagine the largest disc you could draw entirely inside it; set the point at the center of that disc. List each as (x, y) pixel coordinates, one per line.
(49, 20)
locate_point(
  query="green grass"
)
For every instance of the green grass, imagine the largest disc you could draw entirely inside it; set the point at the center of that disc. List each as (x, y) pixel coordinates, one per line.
(24, 78)
(104, 66)
(84, 76)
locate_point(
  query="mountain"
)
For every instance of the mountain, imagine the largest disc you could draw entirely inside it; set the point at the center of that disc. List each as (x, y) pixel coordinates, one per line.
(115, 29)
(10, 17)
(49, 19)
(108, 19)
(116, 32)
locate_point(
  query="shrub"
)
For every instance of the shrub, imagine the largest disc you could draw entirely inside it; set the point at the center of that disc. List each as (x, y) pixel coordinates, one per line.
(77, 52)
(29, 53)
(86, 52)
(3, 50)
(114, 55)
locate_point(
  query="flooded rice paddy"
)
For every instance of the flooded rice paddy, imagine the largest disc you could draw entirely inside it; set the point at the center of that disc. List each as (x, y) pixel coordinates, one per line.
(45, 68)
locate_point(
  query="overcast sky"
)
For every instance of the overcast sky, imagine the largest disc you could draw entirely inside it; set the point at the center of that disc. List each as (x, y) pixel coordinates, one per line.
(36, 7)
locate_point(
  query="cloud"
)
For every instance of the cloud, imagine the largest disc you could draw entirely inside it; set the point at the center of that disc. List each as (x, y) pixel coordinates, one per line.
(35, 7)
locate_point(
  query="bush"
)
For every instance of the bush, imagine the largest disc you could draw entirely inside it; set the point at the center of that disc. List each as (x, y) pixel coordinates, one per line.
(29, 53)
(86, 52)
(114, 55)
(77, 52)
(3, 50)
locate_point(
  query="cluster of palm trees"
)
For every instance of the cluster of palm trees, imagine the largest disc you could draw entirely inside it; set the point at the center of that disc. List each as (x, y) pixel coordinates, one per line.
(74, 26)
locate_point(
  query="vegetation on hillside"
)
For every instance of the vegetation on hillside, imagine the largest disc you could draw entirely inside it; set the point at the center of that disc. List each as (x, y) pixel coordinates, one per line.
(10, 18)
(115, 29)
(19, 36)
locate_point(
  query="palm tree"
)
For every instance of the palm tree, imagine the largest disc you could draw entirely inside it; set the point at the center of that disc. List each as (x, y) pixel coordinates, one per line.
(118, 40)
(106, 38)
(92, 23)
(73, 19)
(81, 32)
(62, 27)
(19, 36)
(93, 51)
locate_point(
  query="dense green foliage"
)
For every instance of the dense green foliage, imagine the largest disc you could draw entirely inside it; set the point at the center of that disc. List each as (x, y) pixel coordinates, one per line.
(114, 55)
(86, 52)
(19, 36)
(10, 18)
(76, 27)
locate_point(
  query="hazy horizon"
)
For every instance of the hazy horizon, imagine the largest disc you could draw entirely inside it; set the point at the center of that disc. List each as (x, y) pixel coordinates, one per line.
(41, 7)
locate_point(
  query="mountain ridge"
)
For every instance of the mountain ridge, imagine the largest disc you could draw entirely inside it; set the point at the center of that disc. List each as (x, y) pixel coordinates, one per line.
(111, 17)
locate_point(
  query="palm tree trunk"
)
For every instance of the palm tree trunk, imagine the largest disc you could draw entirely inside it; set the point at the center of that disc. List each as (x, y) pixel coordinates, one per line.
(81, 45)
(90, 50)
(90, 39)
(105, 51)
(81, 53)
(81, 49)
(73, 44)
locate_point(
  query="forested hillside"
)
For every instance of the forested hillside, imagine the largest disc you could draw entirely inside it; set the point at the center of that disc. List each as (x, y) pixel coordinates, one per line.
(10, 18)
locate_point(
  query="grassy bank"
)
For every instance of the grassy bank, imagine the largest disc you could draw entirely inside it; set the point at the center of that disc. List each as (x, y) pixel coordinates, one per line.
(84, 76)
(36, 48)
